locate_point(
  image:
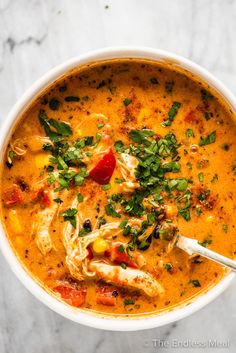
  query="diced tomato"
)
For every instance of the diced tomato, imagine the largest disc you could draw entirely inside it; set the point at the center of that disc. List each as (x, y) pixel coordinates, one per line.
(90, 253)
(75, 297)
(106, 296)
(13, 196)
(103, 171)
(117, 256)
(42, 197)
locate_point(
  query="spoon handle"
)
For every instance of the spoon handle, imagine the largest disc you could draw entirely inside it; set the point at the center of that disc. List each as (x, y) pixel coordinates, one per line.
(191, 246)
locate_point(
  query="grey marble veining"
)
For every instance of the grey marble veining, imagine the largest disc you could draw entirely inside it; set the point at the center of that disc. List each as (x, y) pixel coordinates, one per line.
(36, 35)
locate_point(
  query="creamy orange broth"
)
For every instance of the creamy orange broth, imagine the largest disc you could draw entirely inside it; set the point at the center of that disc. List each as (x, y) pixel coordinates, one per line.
(115, 98)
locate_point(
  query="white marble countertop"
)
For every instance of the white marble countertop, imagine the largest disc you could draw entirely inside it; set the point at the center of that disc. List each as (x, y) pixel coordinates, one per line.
(36, 35)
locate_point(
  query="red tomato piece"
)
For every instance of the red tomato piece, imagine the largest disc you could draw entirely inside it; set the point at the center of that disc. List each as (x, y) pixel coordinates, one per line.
(42, 197)
(103, 171)
(90, 253)
(13, 196)
(117, 256)
(75, 297)
(106, 296)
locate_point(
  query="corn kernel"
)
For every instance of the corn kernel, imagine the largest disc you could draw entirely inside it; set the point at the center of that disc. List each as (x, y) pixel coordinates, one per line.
(100, 246)
(15, 222)
(144, 113)
(170, 211)
(210, 219)
(41, 159)
(19, 241)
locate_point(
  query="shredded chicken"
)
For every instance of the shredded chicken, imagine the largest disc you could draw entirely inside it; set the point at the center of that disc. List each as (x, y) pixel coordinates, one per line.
(76, 247)
(128, 277)
(43, 220)
(34, 143)
(128, 164)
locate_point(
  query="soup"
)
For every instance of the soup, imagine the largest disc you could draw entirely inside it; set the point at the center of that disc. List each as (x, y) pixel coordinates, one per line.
(104, 169)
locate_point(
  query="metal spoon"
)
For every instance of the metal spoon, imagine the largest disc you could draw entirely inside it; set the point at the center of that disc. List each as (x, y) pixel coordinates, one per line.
(191, 246)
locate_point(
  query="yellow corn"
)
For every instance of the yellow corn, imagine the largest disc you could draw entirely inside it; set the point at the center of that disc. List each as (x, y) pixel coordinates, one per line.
(144, 113)
(41, 160)
(170, 211)
(210, 219)
(15, 222)
(19, 241)
(100, 246)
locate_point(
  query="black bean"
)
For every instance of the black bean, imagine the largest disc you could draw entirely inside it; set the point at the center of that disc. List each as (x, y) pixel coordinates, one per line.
(145, 244)
(115, 293)
(155, 232)
(87, 225)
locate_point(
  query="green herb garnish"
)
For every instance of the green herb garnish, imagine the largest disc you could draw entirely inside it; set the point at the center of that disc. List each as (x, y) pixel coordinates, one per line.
(72, 99)
(129, 302)
(80, 197)
(172, 114)
(195, 282)
(208, 139)
(54, 104)
(69, 215)
(127, 101)
(189, 133)
(54, 129)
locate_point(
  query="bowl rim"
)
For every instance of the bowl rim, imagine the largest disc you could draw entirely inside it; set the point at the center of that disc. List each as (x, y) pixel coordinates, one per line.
(81, 316)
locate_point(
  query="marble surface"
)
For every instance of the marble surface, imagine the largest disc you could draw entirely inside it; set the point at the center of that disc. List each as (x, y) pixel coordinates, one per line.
(36, 35)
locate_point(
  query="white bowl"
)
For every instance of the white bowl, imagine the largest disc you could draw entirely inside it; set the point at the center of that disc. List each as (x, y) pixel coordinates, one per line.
(78, 315)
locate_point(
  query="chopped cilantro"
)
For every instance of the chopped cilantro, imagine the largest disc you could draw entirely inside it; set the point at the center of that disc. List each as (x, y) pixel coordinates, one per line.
(189, 133)
(106, 187)
(129, 302)
(54, 104)
(80, 197)
(123, 223)
(119, 181)
(154, 81)
(207, 116)
(206, 242)
(189, 165)
(58, 200)
(121, 248)
(62, 163)
(198, 210)
(102, 221)
(69, 215)
(139, 136)
(100, 126)
(195, 282)
(119, 146)
(54, 129)
(225, 228)
(123, 265)
(208, 139)
(169, 86)
(168, 267)
(200, 177)
(206, 96)
(127, 101)
(72, 99)
(51, 179)
(172, 114)
(110, 211)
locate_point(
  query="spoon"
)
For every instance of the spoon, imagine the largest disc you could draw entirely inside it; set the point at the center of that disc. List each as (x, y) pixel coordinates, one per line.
(191, 246)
